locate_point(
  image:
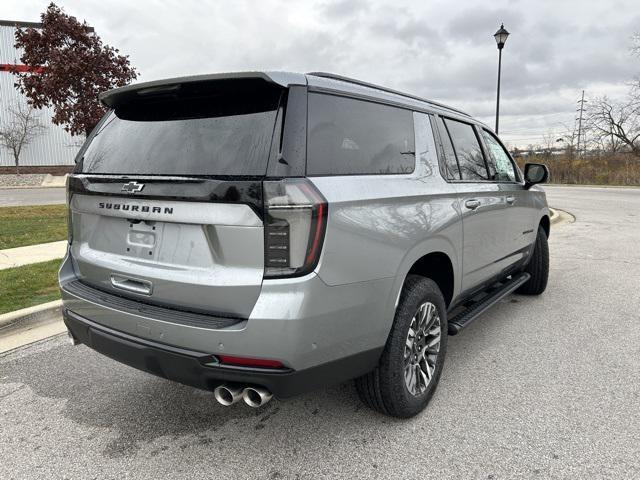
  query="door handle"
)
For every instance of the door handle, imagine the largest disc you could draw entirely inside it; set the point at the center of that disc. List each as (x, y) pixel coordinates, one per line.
(511, 199)
(142, 287)
(472, 204)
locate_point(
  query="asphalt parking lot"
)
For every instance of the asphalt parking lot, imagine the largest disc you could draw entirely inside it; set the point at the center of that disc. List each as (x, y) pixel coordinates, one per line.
(545, 387)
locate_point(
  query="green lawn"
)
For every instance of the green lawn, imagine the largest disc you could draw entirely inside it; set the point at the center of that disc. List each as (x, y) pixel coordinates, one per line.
(21, 226)
(23, 287)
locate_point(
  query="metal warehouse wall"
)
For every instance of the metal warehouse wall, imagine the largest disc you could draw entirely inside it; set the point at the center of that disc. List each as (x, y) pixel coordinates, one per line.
(54, 146)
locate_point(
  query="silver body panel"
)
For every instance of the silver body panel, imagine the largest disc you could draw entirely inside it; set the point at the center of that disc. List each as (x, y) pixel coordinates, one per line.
(378, 227)
(202, 256)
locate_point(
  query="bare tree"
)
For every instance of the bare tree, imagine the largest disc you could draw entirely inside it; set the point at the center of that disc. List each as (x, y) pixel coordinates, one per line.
(568, 137)
(635, 48)
(616, 123)
(549, 142)
(21, 129)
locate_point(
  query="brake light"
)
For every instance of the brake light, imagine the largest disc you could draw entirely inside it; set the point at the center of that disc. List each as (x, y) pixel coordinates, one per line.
(294, 227)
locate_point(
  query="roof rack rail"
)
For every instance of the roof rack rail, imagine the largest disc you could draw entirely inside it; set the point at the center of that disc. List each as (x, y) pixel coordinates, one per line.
(383, 89)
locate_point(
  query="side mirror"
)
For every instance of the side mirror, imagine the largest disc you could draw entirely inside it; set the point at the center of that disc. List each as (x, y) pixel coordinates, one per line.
(535, 173)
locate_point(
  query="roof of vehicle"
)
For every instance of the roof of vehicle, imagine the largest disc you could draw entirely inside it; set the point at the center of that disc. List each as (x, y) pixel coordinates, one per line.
(315, 80)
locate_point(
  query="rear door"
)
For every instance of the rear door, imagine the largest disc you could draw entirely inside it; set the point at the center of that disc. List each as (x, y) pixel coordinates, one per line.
(481, 204)
(167, 198)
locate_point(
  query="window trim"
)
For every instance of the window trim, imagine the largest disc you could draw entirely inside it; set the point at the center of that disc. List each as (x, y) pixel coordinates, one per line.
(366, 100)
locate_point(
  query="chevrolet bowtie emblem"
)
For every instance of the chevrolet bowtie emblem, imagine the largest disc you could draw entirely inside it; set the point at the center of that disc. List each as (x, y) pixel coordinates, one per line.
(132, 187)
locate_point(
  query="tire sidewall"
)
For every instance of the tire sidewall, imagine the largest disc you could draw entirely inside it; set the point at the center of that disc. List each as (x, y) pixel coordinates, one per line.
(418, 290)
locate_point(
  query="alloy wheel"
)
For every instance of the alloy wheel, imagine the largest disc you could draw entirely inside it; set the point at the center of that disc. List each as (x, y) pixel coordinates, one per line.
(421, 348)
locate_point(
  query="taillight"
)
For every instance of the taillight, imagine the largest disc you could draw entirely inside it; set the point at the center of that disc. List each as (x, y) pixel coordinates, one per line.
(294, 226)
(69, 219)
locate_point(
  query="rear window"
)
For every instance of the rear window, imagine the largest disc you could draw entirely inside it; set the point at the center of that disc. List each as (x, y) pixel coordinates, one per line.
(468, 150)
(221, 129)
(355, 137)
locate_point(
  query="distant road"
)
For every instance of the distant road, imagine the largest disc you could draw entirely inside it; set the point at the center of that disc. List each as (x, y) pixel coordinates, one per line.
(11, 197)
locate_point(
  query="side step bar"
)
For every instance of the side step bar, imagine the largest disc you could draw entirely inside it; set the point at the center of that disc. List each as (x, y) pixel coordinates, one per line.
(473, 311)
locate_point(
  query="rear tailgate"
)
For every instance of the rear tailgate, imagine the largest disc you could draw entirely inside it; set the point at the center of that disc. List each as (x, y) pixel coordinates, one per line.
(190, 255)
(166, 199)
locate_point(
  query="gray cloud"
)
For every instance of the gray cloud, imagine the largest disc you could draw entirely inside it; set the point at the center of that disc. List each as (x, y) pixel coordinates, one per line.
(438, 49)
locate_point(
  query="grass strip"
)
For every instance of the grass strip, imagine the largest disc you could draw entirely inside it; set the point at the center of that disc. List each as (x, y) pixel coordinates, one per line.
(22, 226)
(29, 285)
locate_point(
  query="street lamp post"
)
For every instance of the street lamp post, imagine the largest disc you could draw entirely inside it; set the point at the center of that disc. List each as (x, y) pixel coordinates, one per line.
(501, 37)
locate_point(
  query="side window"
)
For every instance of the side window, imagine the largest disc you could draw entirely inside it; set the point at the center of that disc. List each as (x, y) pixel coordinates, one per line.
(355, 137)
(500, 165)
(468, 151)
(450, 164)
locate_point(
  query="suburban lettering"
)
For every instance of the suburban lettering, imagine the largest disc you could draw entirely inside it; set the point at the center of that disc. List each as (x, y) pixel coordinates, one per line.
(136, 208)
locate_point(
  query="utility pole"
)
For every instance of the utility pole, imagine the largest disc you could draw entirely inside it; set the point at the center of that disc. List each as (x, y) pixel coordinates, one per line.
(581, 110)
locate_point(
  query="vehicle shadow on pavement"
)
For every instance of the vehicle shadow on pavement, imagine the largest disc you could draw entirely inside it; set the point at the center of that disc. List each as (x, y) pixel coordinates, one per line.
(138, 407)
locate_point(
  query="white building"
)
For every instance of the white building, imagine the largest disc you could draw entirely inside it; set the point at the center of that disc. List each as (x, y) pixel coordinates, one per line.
(54, 147)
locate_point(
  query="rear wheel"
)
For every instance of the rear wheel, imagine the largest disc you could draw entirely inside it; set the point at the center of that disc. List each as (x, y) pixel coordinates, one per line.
(538, 267)
(410, 366)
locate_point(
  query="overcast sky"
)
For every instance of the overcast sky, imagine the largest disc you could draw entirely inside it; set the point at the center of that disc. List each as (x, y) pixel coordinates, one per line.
(443, 50)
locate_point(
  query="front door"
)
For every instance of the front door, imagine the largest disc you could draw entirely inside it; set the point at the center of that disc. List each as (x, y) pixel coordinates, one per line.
(519, 215)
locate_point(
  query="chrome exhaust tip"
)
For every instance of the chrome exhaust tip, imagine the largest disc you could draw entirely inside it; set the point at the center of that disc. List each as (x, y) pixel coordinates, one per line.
(228, 394)
(256, 396)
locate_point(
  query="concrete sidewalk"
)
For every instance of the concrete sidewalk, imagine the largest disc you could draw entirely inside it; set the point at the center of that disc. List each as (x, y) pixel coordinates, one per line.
(16, 257)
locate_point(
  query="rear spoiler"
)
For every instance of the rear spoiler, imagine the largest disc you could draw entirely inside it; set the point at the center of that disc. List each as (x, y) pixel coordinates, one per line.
(131, 93)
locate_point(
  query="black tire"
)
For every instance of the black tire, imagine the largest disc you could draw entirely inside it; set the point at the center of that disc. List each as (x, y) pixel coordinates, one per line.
(384, 389)
(538, 267)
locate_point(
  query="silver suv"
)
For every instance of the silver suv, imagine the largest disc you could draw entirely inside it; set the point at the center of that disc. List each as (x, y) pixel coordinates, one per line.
(262, 234)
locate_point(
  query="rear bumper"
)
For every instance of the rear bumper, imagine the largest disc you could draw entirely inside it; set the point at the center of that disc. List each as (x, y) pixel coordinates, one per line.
(322, 334)
(188, 367)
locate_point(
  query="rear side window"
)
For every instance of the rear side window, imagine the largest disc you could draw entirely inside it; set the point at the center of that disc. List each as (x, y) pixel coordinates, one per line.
(355, 137)
(468, 150)
(500, 166)
(450, 164)
(218, 129)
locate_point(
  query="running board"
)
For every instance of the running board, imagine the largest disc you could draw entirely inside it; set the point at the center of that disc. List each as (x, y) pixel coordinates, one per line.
(473, 311)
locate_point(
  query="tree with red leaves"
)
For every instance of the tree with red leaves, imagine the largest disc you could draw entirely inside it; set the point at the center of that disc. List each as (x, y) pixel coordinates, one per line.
(69, 68)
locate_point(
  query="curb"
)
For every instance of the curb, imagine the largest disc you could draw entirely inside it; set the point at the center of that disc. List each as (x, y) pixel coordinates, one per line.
(37, 313)
(560, 216)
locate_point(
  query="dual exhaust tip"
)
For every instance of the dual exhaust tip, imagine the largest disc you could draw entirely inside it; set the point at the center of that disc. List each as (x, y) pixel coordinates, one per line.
(228, 394)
